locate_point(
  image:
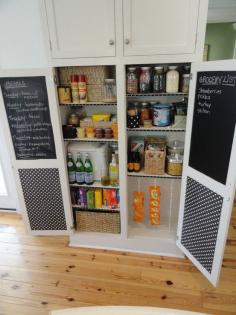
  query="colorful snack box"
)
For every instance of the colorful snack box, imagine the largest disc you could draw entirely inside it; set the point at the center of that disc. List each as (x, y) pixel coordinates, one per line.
(82, 197)
(90, 199)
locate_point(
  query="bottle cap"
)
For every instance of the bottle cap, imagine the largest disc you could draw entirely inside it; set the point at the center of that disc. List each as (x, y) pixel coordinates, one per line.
(82, 78)
(74, 78)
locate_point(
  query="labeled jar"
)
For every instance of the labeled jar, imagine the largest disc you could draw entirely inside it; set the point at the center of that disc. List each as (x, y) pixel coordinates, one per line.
(144, 112)
(74, 79)
(132, 81)
(174, 165)
(145, 80)
(161, 115)
(175, 147)
(185, 83)
(73, 119)
(133, 119)
(172, 80)
(82, 88)
(159, 80)
(109, 90)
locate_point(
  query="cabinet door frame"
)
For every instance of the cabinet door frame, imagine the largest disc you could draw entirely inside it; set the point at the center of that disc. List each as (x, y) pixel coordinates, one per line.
(226, 192)
(191, 46)
(59, 162)
(56, 53)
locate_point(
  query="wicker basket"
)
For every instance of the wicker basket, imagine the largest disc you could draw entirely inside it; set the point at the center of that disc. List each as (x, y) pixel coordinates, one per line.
(94, 221)
(154, 156)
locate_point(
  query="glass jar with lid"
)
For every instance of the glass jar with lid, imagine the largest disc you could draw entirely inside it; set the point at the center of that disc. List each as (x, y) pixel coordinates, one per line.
(132, 81)
(174, 164)
(159, 80)
(109, 90)
(144, 111)
(172, 80)
(145, 80)
(73, 119)
(185, 83)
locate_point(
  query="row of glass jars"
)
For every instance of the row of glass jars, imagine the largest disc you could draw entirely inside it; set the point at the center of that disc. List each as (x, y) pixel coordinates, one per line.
(156, 80)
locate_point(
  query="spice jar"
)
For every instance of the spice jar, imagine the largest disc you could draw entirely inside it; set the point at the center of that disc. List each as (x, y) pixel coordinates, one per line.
(109, 90)
(82, 88)
(144, 112)
(132, 81)
(185, 83)
(73, 119)
(74, 79)
(145, 80)
(159, 80)
(174, 164)
(172, 80)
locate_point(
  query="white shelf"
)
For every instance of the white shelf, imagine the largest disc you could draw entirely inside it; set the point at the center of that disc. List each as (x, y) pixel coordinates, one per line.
(89, 104)
(91, 140)
(96, 184)
(95, 209)
(142, 174)
(157, 94)
(169, 128)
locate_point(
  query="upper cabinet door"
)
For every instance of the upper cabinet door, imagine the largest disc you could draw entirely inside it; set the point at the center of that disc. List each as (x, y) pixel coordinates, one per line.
(81, 28)
(209, 176)
(154, 27)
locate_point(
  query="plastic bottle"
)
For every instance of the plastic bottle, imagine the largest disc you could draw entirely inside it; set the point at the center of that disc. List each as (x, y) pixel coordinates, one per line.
(114, 171)
(79, 173)
(88, 169)
(71, 168)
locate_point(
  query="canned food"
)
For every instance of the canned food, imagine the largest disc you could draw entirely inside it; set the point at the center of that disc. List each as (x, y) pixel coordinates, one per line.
(161, 115)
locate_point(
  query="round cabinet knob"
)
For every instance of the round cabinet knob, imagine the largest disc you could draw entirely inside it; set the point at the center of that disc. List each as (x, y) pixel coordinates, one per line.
(111, 42)
(126, 41)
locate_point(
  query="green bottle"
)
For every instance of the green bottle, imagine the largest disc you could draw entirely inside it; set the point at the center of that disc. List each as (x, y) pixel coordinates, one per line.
(88, 169)
(71, 168)
(79, 173)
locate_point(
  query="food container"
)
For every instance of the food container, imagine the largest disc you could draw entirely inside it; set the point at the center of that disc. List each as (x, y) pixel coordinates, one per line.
(109, 90)
(147, 123)
(108, 131)
(101, 117)
(73, 119)
(144, 111)
(64, 94)
(69, 131)
(80, 132)
(90, 132)
(174, 165)
(161, 115)
(133, 120)
(185, 83)
(175, 147)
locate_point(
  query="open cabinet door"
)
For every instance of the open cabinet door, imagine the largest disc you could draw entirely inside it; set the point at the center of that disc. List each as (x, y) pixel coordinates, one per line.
(209, 174)
(30, 116)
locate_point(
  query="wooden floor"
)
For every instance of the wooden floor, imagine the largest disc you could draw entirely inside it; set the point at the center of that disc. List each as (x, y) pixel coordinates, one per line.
(39, 274)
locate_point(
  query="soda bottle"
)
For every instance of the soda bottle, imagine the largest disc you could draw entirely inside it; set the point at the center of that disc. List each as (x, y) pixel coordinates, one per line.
(88, 169)
(71, 168)
(114, 171)
(79, 172)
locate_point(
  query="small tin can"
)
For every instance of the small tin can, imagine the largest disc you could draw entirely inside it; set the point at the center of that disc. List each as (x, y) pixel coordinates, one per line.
(161, 115)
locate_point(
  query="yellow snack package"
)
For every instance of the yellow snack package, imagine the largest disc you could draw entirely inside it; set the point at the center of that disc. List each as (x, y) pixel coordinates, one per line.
(154, 204)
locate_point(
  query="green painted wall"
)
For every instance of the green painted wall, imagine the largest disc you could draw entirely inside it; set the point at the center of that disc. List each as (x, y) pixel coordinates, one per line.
(221, 40)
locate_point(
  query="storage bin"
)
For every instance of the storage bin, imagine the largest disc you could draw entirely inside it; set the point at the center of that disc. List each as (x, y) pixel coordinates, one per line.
(94, 221)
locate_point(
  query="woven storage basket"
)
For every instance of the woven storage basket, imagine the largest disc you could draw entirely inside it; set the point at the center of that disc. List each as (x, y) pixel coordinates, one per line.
(92, 221)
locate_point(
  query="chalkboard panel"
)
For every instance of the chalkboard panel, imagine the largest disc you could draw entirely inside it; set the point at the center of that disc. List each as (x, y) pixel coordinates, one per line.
(214, 122)
(27, 108)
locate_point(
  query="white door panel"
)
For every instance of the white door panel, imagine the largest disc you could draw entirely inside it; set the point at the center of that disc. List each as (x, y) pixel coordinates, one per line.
(209, 173)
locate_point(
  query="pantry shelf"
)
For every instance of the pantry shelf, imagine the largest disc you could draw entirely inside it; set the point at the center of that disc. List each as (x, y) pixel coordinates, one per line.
(96, 209)
(89, 103)
(96, 184)
(142, 174)
(157, 94)
(170, 128)
(91, 140)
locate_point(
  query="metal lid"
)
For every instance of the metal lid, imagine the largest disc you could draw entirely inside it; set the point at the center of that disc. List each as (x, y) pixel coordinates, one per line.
(162, 106)
(145, 68)
(158, 68)
(144, 104)
(132, 68)
(186, 75)
(172, 67)
(176, 144)
(109, 80)
(175, 158)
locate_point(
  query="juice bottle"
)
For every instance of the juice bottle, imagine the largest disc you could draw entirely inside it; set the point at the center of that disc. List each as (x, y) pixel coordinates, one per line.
(114, 171)
(79, 173)
(71, 168)
(88, 169)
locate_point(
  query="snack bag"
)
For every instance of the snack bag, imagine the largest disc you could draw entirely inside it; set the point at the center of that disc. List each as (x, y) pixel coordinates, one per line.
(154, 204)
(138, 206)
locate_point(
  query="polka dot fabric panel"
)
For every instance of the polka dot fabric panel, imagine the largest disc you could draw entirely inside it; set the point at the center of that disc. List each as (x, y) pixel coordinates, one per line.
(201, 221)
(43, 198)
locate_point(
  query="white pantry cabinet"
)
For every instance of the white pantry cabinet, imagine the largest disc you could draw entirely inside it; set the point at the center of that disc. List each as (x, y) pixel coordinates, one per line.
(160, 27)
(81, 28)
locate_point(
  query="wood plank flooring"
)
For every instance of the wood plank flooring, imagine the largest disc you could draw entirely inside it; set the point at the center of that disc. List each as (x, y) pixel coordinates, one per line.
(39, 274)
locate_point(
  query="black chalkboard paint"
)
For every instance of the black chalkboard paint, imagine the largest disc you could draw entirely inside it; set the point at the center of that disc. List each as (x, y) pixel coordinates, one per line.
(214, 122)
(27, 108)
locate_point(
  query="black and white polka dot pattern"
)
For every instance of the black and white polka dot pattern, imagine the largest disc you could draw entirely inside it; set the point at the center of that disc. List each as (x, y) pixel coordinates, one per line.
(133, 121)
(43, 198)
(201, 221)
